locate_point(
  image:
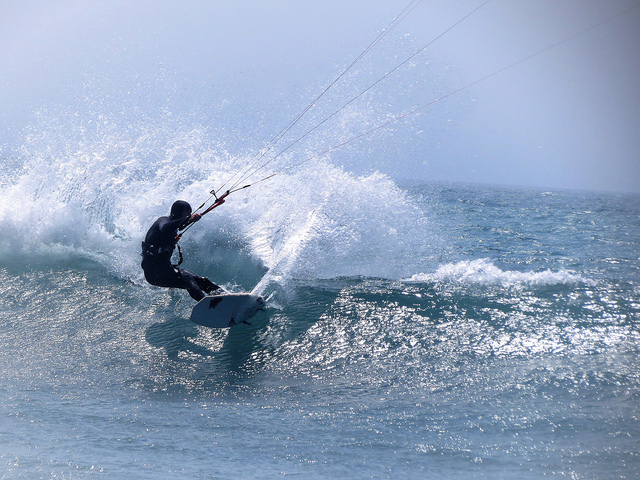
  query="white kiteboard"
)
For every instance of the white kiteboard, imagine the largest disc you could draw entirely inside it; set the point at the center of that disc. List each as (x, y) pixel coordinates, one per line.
(220, 311)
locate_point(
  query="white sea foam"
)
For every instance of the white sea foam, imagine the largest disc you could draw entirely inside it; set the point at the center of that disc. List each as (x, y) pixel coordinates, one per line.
(483, 271)
(96, 195)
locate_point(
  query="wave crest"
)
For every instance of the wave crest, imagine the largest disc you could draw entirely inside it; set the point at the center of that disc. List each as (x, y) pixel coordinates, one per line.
(94, 194)
(484, 272)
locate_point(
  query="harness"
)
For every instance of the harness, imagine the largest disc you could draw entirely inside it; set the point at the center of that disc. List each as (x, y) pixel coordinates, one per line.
(149, 250)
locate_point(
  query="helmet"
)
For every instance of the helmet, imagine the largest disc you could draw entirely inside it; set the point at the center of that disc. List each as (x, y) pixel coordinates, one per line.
(180, 209)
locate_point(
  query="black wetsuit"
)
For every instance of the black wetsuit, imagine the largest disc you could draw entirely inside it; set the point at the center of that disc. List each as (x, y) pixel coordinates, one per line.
(157, 248)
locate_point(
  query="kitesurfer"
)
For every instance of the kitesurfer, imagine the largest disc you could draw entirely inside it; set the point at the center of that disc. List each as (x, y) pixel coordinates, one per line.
(158, 247)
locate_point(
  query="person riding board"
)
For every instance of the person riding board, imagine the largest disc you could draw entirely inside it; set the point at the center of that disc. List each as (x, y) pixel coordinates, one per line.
(158, 247)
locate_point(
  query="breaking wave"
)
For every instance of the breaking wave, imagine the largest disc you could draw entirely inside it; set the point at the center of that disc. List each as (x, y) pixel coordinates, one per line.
(90, 189)
(484, 272)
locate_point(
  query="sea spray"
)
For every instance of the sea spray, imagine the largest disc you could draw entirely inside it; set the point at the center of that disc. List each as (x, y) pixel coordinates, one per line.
(93, 193)
(329, 223)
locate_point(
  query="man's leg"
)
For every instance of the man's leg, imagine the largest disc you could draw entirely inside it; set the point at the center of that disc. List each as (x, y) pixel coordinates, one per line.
(190, 283)
(208, 286)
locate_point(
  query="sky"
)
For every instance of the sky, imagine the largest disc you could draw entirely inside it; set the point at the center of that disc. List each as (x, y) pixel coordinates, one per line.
(568, 117)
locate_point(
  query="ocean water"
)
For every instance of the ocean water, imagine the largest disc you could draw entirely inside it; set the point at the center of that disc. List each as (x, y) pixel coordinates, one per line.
(414, 330)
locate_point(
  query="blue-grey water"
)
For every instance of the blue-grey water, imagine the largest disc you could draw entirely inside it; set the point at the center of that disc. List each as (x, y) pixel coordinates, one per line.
(414, 330)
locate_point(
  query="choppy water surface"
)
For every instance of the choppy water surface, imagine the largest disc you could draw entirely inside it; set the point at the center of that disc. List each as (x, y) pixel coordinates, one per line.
(445, 332)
